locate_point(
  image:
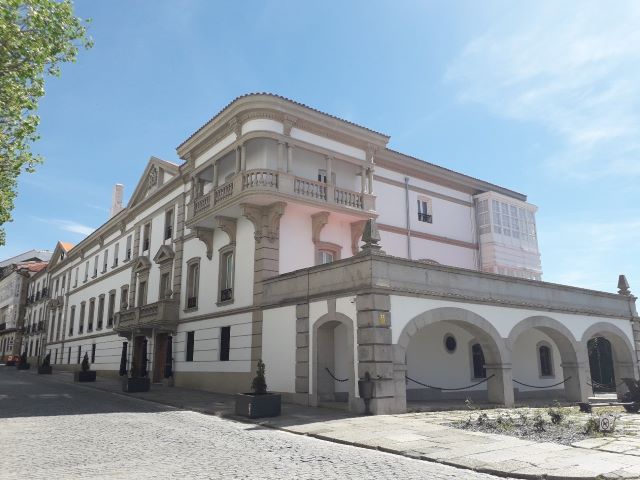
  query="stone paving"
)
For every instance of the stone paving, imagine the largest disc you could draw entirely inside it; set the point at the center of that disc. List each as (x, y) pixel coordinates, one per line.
(53, 429)
(425, 436)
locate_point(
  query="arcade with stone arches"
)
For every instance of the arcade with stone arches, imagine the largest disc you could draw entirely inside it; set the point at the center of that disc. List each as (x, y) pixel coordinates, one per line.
(453, 353)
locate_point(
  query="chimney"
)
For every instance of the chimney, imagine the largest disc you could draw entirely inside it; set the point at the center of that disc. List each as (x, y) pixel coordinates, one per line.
(116, 200)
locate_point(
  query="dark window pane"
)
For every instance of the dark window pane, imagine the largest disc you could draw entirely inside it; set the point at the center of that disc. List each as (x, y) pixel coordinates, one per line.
(225, 341)
(190, 342)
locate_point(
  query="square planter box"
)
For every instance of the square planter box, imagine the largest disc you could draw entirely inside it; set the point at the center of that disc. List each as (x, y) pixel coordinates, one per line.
(26, 366)
(136, 384)
(81, 376)
(45, 370)
(258, 406)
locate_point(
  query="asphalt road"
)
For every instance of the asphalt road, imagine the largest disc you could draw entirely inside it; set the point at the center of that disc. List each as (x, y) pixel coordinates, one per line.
(55, 430)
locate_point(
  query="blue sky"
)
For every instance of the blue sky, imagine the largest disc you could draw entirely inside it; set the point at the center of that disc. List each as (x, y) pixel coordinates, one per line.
(540, 97)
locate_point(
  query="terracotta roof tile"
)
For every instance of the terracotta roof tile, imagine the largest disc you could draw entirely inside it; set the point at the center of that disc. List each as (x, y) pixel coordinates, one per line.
(66, 245)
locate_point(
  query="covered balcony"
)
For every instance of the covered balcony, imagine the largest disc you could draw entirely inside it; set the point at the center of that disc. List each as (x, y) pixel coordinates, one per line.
(275, 171)
(161, 315)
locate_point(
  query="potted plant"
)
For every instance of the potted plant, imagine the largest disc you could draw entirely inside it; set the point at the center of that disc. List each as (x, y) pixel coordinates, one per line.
(258, 403)
(139, 380)
(22, 363)
(45, 368)
(86, 374)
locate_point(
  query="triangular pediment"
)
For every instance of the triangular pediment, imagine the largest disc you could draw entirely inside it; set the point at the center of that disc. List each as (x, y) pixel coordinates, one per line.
(141, 264)
(165, 253)
(59, 253)
(156, 173)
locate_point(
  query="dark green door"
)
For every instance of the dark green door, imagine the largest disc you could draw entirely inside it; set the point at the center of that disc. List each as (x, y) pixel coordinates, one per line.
(601, 364)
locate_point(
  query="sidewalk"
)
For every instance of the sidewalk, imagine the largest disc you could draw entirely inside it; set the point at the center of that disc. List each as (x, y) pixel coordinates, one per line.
(413, 435)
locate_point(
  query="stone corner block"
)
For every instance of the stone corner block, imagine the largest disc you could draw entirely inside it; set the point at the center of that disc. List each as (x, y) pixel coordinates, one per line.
(302, 310)
(373, 301)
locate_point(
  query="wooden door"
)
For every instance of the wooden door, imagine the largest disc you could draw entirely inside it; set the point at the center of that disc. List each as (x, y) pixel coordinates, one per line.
(160, 357)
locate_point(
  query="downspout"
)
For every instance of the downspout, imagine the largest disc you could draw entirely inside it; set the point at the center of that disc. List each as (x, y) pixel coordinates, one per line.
(408, 217)
(477, 231)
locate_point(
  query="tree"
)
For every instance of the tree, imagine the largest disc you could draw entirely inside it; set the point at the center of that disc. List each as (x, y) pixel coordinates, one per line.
(36, 37)
(259, 384)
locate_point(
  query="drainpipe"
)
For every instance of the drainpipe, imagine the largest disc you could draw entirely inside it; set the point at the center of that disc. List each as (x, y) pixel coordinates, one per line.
(406, 203)
(477, 230)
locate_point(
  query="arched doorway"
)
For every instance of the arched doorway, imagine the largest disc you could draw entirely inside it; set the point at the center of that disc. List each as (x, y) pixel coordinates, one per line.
(547, 361)
(333, 353)
(601, 367)
(457, 351)
(613, 357)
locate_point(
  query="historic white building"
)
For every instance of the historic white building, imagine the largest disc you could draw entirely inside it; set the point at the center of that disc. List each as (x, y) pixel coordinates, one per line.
(252, 249)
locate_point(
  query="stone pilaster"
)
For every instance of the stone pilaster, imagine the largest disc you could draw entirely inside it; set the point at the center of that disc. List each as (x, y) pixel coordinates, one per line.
(178, 248)
(302, 348)
(266, 222)
(375, 351)
(134, 257)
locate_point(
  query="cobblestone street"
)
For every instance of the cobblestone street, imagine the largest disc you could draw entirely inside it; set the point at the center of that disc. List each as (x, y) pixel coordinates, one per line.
(53, 430)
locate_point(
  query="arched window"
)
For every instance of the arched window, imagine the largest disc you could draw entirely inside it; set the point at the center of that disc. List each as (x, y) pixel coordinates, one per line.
(478, 361)
(545, 359)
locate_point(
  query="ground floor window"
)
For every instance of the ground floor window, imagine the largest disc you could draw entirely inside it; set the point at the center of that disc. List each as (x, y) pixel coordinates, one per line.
(477, 356)
(546, 365)
(190, 345)
(225, 343)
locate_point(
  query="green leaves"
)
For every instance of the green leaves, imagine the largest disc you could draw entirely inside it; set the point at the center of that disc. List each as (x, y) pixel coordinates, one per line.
(36, 37)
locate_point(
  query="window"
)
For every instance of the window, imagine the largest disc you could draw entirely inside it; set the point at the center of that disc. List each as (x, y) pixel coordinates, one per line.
(86, 271)
(142, 293)
(69, 356)
(124, 297)
(146, 237)
(424, 210)
(165, 285)
(105, 260)
(128, 253)
(111, 308)
(484, 223)
(95, 266)
(71, 320)
(75, 279)
(450, 343)
(322, 176)
(193, 280)
(226, 275)
(225, 343)
(93, 353)
(545, 359)
(168, 224)
(79, 353)
(92, 310)
(325, 256)
(59, 324)
(100, 311)
(478, 361)
(55, 358)
(81, 323)
(116, 252)
(190, 343)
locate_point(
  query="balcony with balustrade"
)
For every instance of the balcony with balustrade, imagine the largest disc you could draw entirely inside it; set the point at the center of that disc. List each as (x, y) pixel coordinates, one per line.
(161, 315)
(272, 186)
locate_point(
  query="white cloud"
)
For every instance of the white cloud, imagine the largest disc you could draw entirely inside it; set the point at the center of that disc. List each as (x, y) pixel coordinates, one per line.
(573, 67)
(67, 225)
(591, 254)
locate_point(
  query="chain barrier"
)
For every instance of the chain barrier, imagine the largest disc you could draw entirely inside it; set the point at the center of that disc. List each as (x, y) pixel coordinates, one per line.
(334, 377)
(536, 386)
(448, 389)
(604, 385)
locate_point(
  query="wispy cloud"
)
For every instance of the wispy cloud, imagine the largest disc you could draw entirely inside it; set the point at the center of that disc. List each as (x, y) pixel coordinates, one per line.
(67, 225)
(573, 67)
(591, 253)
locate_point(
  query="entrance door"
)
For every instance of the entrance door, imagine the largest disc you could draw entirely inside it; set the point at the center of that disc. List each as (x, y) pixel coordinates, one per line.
(601, 364)
(160, 357)
(139, 351)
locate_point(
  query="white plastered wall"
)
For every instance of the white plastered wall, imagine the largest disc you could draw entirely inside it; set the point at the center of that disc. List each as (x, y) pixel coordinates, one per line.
(279, 348)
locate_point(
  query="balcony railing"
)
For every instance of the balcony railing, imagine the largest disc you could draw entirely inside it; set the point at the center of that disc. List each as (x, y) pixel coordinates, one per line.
(162, 314)
(226, 294)
(267, 181)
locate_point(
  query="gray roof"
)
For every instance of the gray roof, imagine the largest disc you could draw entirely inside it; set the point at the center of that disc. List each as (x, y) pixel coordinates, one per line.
(31, 255)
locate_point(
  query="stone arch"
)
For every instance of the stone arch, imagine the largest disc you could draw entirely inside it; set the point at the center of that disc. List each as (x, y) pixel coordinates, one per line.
(573, 355)
(497, 359)
(623, 351)
(479, 327)
(324, 324)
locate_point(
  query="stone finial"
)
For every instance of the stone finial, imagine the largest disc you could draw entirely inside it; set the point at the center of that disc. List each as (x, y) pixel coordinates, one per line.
(371, 238)
(623, 286)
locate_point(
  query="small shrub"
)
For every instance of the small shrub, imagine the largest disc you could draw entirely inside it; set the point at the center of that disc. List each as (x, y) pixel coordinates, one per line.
(592, 426)
(523, 418)
(538, 423)
(259, 384)
(556, 415)
(482, 419)
(469, 403)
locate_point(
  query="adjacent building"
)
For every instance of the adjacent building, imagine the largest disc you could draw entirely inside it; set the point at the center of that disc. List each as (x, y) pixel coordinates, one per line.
(253, 248)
